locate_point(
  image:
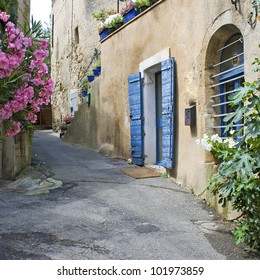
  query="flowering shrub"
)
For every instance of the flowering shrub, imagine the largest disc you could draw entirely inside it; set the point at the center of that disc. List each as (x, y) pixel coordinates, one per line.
(24, 81)
(217, 146)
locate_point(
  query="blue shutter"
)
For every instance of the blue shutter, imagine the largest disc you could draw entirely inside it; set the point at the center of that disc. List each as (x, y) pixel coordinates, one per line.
(136, 118)
(167, 68)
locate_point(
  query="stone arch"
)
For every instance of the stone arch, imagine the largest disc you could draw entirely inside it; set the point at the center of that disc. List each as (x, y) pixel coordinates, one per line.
(212, 56)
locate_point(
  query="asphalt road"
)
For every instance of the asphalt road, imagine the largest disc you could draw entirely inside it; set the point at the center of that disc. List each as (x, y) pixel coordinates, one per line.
(88, 209)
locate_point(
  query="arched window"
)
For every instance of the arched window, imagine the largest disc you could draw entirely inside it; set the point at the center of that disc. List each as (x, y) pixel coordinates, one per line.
(228, 77)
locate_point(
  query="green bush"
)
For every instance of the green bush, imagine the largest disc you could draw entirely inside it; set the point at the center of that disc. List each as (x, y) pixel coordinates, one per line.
(237, 179)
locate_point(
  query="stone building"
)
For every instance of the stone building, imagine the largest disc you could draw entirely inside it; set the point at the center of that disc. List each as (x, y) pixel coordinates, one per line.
(165, 80)
(75, 42)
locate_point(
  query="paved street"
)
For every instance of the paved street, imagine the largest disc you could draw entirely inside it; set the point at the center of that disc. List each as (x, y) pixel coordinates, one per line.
(77, 204)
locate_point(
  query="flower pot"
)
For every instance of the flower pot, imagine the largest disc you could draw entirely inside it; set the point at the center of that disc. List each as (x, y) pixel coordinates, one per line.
(96, 72)
(111, 30)
(216, 160)
(84, 92)
(131, 14)
(99, 69)
(103, 34)
(91, 78)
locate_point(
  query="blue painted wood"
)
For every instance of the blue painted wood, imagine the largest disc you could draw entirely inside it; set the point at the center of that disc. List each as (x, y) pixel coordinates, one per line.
(168, 92)
(136, 118)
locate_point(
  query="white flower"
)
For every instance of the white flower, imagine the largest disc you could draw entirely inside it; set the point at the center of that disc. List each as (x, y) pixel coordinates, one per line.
(112, 18)
(198, 141)
(231, 143)
(204, 143)
(215, 137)
(231, 131)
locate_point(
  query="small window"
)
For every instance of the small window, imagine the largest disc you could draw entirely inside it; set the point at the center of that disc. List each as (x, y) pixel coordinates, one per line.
(229, 77)
(76, 34)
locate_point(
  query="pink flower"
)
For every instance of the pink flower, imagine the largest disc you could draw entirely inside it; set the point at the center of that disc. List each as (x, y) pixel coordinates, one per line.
(44, 44)
(38, 81)
(31, 117)
(27, 42)
(4, 63)
(31, 87)
(4, 16)
(14, 129)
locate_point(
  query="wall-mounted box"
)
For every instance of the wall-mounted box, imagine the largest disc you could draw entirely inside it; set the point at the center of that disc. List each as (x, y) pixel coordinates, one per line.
(190, 115)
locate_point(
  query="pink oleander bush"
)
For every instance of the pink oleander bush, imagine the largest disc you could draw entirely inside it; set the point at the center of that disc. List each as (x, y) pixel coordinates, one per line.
(24, 81)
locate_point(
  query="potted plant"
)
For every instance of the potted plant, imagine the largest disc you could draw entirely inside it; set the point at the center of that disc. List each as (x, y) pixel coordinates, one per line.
(141, 4)
(97, 67)
(90, 76)
(101, 17)
(84, 86)
(103, 31)
(113, 22)
(117, 20)
(129, 11)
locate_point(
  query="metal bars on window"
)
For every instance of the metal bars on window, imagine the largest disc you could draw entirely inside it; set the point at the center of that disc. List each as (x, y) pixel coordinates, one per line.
(229, 73)
(228, 45)
(229, 59)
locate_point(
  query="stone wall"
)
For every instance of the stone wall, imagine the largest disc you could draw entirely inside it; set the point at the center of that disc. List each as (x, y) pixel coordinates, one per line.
(75, 38)
(85, 126)
(16, 154)
(23, 18)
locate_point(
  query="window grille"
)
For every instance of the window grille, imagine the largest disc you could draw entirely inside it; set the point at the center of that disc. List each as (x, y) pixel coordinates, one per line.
(227, 78)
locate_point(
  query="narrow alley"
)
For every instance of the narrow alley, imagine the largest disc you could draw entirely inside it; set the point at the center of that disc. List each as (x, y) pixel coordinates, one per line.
(89, 209)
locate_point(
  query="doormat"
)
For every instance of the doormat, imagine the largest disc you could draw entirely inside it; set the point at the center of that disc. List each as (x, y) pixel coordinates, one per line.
(140, 172)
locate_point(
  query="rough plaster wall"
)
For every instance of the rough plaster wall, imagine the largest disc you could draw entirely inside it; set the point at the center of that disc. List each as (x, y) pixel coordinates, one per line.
(84, 127)
(24, 12)
(70, 59)
(188, 27)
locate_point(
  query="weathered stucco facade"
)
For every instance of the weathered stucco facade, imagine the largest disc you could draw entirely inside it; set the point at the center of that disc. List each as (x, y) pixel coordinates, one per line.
(192, 32)
(23, 13)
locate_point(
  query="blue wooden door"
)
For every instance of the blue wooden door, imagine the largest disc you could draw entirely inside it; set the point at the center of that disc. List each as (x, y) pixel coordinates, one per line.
(136, 118)
(168, 92)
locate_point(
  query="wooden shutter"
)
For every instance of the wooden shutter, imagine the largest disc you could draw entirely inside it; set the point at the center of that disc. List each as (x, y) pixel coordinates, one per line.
(136, 118)
(168, 105)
